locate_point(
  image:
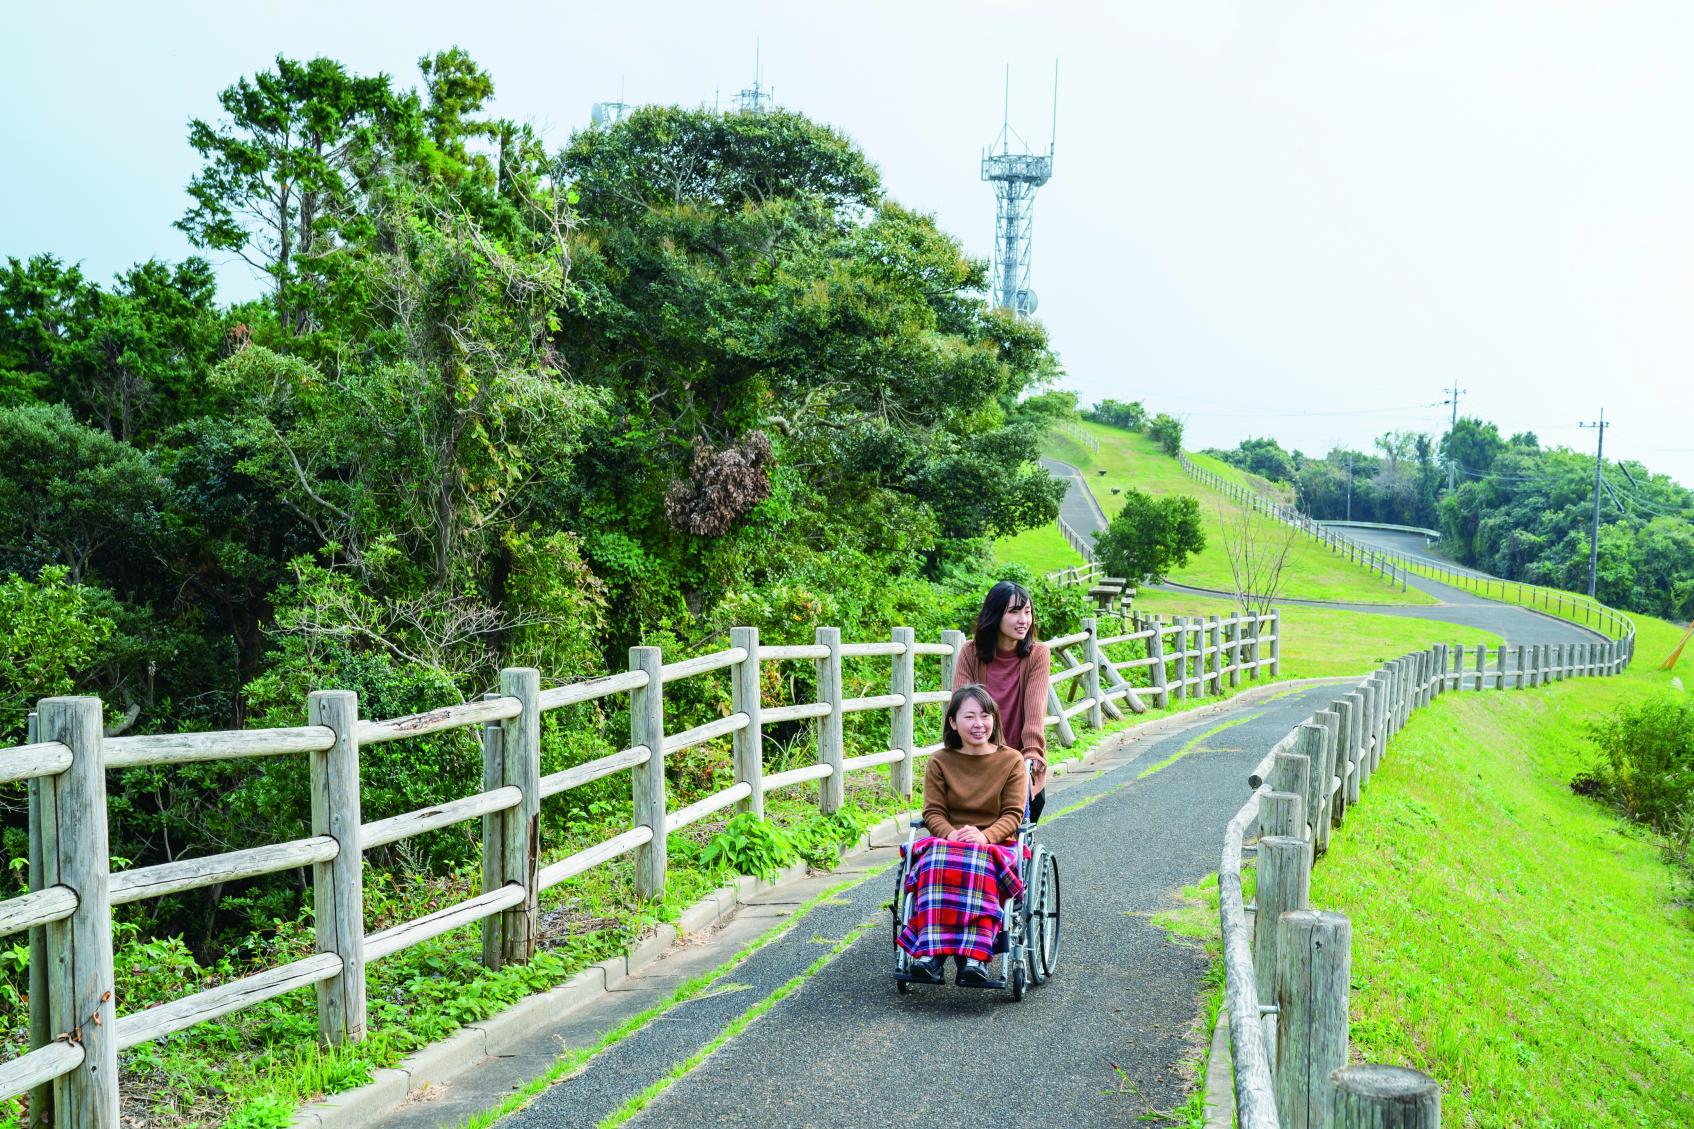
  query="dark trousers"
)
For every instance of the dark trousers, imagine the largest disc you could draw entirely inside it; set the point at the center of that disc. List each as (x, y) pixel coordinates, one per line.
(1036, 803)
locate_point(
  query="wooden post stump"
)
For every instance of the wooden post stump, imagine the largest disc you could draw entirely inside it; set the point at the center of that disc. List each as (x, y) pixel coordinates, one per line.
(42, 823)
(1313, 967)
(493, 842)
(1282, 814)
(1284, 885)
(1384, 1097)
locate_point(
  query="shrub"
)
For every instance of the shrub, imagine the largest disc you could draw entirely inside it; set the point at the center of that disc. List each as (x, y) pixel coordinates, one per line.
(1166, 430)
(748, 845)
(1648, 766)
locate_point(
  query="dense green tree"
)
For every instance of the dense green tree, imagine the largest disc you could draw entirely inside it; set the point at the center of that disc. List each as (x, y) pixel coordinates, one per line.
(1115, 413)
(1166, 431)
(1150, 537)
(281, 172)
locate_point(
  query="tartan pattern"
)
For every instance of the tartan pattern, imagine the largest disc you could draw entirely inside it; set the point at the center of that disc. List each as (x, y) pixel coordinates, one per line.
(956, 891)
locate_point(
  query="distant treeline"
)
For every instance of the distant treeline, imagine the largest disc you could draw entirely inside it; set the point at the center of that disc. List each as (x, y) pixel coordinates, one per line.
(1516, 509)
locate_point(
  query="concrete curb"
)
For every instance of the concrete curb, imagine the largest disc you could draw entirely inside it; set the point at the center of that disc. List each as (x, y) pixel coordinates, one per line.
(1220, 1077)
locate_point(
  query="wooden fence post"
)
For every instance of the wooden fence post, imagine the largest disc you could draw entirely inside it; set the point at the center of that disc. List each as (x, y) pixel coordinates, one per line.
(1179, 684)
(1309, 743)
(493, 842)
(42, 824)
(1384, 1097)
(1096, 658)
(1156, 669)
(74, 853)
(1276, 642)
(1292, 772)
(1481, 665)
(338, 895)
(901, 718)
(520, 748)
(1500, 667)
(1456, 665)
(1253, 648)
(746, 695)
(1522, 671)
(832, 789)
(647, 781)
(950, 663)
(1284, 884)
(1214, 638)
(1346, 759)
(1281, 813)
(1331, 724)
(1235, 650)
(1313, 966)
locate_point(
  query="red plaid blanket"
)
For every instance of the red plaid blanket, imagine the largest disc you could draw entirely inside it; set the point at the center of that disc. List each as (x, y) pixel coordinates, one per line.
(956, 891)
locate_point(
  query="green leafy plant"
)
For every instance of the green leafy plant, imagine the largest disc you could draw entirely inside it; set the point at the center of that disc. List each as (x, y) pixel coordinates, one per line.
(748, 845)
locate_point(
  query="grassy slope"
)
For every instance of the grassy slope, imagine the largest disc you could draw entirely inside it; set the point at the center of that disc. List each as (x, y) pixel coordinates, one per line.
(1043, 549)
(1132, 460)
(1518, 942)
(1319, 642)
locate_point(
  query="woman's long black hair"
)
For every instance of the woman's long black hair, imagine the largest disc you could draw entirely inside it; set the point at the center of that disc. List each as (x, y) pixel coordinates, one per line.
(979, 694)
(1007, 594)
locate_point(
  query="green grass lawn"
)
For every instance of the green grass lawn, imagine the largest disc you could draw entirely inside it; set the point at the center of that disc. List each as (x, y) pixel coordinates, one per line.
(1319, 642)
(1313, 571)
(1525, 947)
(1043, 549)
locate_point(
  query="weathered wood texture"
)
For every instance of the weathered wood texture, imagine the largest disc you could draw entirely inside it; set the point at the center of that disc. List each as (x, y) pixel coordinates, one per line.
(902, 718)
(1384, 1097)
(647, 729)
(520, 742)
(746, 698)
(79, 948)
(1313, 966)
(831, 740)
(338, 899)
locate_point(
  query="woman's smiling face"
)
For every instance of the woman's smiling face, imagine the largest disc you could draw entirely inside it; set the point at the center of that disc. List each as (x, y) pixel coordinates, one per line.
(1015, 621)
(974, 724)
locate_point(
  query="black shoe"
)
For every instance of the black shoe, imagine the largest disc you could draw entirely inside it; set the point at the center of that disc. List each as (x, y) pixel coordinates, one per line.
(929, 971)
(975, 974)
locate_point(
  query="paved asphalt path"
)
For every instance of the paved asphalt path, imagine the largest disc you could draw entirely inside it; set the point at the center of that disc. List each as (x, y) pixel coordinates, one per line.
(1101, 1043)
(1458, 606)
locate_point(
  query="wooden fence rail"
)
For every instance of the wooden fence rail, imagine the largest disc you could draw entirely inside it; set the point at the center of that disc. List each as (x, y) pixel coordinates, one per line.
(72, 1065)
(1286, 973)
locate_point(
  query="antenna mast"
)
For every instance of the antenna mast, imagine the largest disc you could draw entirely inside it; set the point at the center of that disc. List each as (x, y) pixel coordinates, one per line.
(1016, 177)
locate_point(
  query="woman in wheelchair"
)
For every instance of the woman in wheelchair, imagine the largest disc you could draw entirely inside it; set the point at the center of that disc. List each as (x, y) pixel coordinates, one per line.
(976, 794)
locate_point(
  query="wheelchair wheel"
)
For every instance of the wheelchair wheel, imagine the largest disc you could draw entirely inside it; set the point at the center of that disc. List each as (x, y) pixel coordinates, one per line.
(1018, 981)
(1045, 937)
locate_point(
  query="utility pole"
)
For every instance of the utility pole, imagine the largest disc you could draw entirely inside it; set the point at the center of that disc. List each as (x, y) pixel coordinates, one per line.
(1349, 486)
(1594, 533)
(1453, 395)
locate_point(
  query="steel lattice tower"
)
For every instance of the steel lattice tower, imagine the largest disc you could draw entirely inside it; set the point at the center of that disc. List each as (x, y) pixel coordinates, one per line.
(1016, 177)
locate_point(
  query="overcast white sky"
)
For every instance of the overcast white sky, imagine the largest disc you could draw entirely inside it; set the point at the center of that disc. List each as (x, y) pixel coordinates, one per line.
(1294, 219)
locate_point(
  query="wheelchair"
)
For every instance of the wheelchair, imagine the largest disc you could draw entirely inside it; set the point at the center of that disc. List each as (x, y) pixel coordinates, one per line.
(1027, 945)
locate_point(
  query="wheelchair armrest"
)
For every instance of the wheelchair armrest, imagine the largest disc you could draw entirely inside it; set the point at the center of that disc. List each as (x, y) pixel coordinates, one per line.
(917, 821)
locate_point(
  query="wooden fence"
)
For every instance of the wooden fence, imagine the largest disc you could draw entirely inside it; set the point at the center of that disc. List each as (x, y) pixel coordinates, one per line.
(1286, 975)
(76, 1036)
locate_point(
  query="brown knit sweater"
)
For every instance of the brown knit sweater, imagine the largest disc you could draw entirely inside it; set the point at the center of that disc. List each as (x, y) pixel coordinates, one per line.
(985, 791)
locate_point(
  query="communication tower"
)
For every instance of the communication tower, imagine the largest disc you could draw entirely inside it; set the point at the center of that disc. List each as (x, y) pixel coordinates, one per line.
(756, 99)
(1016, 176)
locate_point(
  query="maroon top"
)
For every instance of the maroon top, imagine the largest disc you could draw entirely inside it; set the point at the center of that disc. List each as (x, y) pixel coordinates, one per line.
(1003, 679)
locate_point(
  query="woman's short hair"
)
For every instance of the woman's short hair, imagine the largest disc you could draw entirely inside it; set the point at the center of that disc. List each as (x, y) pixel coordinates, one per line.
(973, 692)
(1008, 595)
